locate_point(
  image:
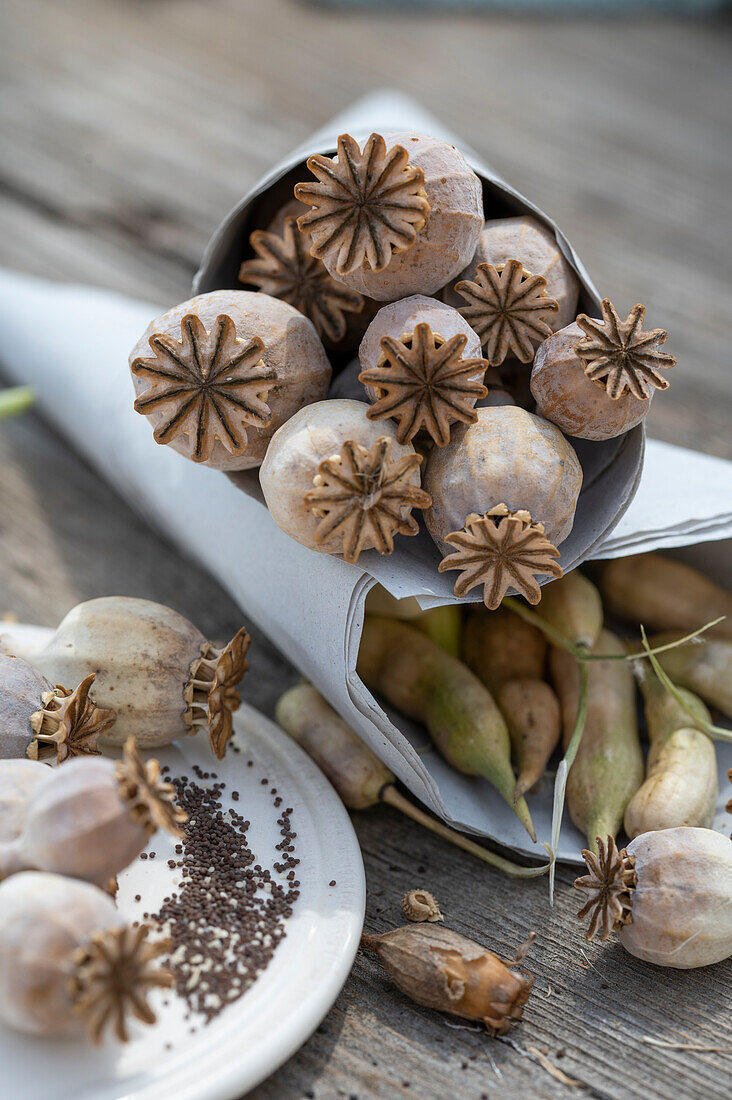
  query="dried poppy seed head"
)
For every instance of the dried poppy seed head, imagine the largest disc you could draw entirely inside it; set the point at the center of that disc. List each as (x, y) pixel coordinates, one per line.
(508, 307)
(621, 355)
(420, 905)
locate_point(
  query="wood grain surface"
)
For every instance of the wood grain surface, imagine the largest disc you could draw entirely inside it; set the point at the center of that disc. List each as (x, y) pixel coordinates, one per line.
(127, 129)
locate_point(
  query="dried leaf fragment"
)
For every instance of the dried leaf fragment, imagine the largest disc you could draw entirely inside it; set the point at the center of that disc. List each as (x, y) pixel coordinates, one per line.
(423, 382)
(362, 494)
(501, 550)
(69, 723)
(151, 798)
(210, 384)
(611, 882)
(507, 306)
(285, 269)
(365, 205)
(620, 355)
(421, 905)
(113, 976)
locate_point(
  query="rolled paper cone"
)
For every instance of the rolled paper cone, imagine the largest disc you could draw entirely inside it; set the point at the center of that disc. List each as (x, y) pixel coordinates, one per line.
(311, 605)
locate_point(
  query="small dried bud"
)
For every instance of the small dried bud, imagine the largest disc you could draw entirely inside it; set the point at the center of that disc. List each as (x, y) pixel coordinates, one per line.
(420, 905)
(440, 969)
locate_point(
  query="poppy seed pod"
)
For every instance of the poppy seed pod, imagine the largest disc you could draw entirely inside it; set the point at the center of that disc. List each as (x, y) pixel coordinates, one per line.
(162, 676)
(68, 961)
(18, 782)
(91, 818)
(40, 721)
(218, 374)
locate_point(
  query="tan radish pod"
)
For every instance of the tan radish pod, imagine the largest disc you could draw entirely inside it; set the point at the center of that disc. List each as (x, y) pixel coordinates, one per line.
(40, 720)
(504, 494)
(18, 782)
(440, 969)
(566, 396)
(68, 961)
(608, 768)
(704, 667)
(422, 367)
(163, 677)
(664, 594)
(218, 374)
(681, 785)
(400, 216)
(535, 247)
(91, 818)
(572, 606)
(667, 895)
(340, 483)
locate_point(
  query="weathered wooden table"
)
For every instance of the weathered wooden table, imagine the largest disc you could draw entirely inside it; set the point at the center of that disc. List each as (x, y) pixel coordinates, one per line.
(126, 131)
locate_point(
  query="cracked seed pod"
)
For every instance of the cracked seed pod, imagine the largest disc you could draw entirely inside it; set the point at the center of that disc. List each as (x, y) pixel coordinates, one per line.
(440, 969)
(40, 721)
(92, 818)
(576, 404)
(504, 493)
(535, 247)
(18, 782)
(667, 895)
(340, 483)
(163, 677)
(420, 906)
(68, 961)
(421, 365)
(402, 217)
(217, 375)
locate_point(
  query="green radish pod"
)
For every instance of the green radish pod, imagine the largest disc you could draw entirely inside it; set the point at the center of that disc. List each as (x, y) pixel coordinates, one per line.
(534, 720)
(608, 768)
(430, 686)
(572, 606)
(443, 625)
(704, 667)
(499, 646)
(664, 594)
(681, 785)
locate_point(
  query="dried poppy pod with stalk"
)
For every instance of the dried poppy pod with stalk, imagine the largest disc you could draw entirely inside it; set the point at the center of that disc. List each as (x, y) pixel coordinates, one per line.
(162, 675)
(667, 895)
(92, 818)
(504, 493)
(443, 970)
(402, 216)
(517, 289)
(422, 367)
(595, 378)
(217, 375)
(40, 721)
(284, 267)
(340, 483)
(68, 961)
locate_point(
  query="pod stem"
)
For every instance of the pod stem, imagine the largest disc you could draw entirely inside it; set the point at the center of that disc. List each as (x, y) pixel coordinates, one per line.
(717, 733)
(560, 781)
(392, 796)
(15, 400)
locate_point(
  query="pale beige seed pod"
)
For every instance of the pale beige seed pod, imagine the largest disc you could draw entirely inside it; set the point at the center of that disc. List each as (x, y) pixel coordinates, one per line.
(402, 317)
(576, 404)
(667, 895)
(91, 818)
(162, 676)
(527, 240)
(40, 720)
(504, 494)
(340, 483)
(18, 782)
(421, 905)
(69, 963)
(438, 248)
(218, 374)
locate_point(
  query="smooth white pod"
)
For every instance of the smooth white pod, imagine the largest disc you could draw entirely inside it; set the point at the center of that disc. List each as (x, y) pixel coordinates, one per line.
(566, 396)
(400, 318)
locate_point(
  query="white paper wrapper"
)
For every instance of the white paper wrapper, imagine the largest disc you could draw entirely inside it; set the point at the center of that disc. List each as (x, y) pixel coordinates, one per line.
(310, 604)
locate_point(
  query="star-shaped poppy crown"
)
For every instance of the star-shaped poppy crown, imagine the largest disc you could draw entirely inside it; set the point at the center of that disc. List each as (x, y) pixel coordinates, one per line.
(209, 385)
(365, 205)
(423, 382)
(285, 269)
(620, 355)
(507, 307)
(611, 882)
(501, 550)
(69, 723)
(360, 495)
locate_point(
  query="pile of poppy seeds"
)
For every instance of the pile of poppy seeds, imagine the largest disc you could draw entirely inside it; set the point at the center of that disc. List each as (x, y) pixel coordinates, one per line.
(228, 914)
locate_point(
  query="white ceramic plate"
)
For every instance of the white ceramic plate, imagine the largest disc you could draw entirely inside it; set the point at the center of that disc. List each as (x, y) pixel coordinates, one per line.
(257, 1033)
